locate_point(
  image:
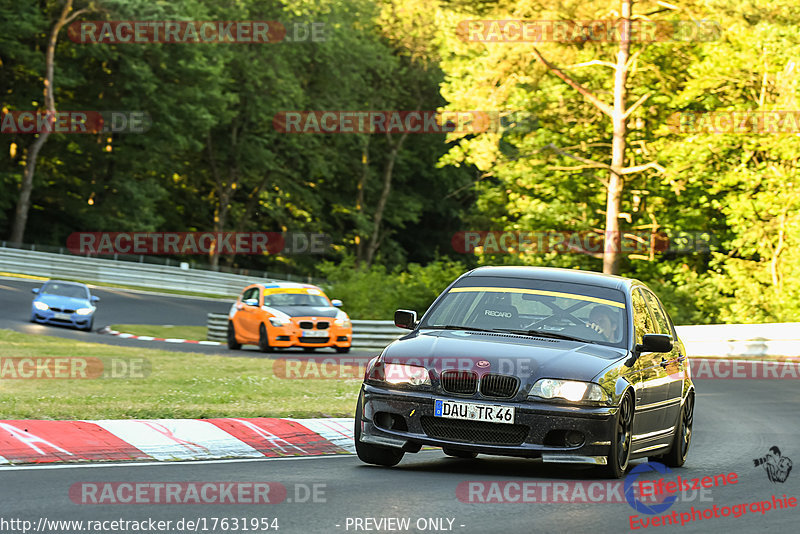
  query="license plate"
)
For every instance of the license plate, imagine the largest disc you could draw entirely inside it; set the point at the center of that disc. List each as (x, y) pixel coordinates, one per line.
(315, 333)
(489, 413)
(63, 316)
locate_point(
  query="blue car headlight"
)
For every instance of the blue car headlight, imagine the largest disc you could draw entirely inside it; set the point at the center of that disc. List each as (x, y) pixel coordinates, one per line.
(41, 306)
(84, 311)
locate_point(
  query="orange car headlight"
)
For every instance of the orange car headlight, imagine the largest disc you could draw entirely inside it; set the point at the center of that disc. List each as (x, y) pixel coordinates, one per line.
(342, 320)
(278, 322)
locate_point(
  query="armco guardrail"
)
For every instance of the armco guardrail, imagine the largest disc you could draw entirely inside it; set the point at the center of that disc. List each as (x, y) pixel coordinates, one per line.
(375, 334)
(768, 339)
(755, 340)
(217, 327)
(366, 334)
(145, 275)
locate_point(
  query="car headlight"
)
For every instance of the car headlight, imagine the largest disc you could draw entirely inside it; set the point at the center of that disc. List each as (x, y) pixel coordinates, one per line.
(84, 311)
(413, 375)
(342, 320)
(41, 306)
(399, 374)
(571, 390)
(278, 321)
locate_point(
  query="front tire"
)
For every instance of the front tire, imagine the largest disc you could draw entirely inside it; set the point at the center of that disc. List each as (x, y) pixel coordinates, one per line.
(676, 456)
(342, 350)
(88, 327)
(621, 441)
(372, 454)
(232, 343)
(263, 339)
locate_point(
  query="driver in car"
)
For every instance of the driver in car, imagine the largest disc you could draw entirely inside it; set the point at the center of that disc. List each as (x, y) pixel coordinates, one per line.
(603, 321)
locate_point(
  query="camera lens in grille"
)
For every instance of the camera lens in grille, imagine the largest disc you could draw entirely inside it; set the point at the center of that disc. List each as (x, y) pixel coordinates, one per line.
(503, 386)
(462, 382)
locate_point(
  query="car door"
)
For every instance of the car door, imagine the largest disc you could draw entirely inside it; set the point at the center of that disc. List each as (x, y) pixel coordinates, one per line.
(653, 385)
(247, 316)
(674, 362)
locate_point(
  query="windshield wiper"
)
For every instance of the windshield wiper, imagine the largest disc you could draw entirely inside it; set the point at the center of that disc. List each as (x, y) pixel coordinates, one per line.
(545, 333)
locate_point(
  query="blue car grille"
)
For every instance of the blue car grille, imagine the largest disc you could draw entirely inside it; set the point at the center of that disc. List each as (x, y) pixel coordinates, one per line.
(60, 310)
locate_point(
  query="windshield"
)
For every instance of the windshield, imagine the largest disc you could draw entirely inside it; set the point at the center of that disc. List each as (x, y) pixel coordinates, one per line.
(553, 309)
(65, 290)
(295, 299)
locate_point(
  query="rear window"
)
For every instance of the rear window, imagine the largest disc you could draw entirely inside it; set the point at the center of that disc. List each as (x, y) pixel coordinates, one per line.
(592, 313)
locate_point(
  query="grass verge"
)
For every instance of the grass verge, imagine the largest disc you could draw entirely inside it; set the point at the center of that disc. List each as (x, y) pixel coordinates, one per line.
(165, 331)
(180, 385)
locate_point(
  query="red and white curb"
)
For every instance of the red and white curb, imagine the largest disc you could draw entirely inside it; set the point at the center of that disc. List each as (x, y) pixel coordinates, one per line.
(37, 441)
(124, 335)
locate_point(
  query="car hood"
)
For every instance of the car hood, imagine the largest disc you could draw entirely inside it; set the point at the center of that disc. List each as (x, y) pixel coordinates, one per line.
(522, 356)
(64, 302)
(307, 311)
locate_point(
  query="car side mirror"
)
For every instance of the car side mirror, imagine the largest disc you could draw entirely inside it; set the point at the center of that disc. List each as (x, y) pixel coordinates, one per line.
(95, 300)
(336, 303)
(655, 343)
(35, 290)
(405, 319)
(250, 302)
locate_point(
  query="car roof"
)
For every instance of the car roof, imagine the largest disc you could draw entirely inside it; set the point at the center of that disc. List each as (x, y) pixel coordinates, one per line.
(286, 285)
(573, 276)
(65, 283)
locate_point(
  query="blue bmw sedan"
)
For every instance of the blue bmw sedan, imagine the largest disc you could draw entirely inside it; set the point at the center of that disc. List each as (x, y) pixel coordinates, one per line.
(64, 303)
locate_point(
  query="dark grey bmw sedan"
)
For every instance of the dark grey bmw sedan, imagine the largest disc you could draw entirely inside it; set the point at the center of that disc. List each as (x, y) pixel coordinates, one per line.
(564, 365)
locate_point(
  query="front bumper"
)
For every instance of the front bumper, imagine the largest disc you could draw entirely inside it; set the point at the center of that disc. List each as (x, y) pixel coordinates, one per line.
(51, 317)
(405, 419)
(291, 335)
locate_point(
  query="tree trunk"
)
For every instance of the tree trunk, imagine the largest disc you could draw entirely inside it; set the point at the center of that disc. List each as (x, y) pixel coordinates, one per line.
(224, 190)
(26, 187)
(613, 239)
(388, 169)
(362, 184)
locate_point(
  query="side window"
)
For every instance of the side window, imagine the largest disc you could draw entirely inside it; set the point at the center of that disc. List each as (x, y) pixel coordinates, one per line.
(642, 321)
(251, 293)
(662, 323)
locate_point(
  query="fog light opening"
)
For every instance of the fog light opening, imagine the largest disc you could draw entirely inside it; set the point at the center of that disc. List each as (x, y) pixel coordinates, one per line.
(574, 438)
(390, 421)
